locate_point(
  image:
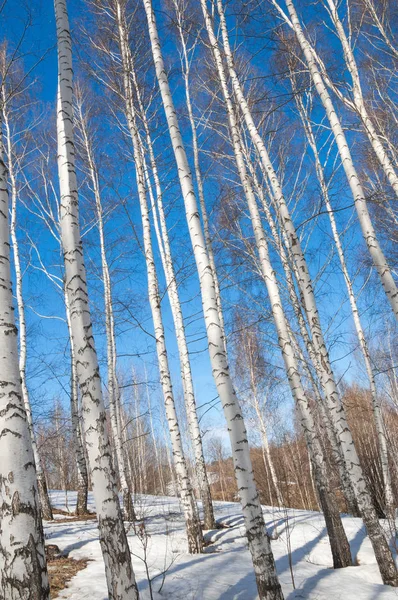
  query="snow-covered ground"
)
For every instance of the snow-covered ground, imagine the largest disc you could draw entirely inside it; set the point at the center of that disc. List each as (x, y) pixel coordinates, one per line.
(224, 571)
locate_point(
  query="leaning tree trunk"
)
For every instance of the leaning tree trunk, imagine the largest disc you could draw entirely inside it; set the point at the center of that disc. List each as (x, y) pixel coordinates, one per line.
(113, 387)
(193, 528)
(186, 66)
(338, 539)
(175, 304)
(364, 218)
(358, 103)
(259, 544)
(115, 550)
(288, 267)
(45, 503)
(23, 570)
(383, 554)
(380, 428)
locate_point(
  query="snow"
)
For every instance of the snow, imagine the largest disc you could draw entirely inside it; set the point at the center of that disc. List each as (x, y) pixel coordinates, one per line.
(224, 571)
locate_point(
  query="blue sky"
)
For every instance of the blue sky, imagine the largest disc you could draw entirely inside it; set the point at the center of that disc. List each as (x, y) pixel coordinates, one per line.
(48, 337)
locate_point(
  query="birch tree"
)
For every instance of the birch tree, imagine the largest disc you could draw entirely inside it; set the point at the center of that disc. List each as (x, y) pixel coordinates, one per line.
(81, 465)
(381, 434)
(365, 221)
(259, 544)
(23, 570)
(116, 553)
(113, 386)
(193, 528)
(338, 539)
(384, 558)
(12, 172)
(175, 304)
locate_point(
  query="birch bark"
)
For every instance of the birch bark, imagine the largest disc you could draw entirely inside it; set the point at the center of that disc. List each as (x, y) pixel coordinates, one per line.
(364, 218)
(186, 68)
(380, 429)
(41, 479)
(82, 475)
(193, 528)
(113, 387)
(23, 570)
(259, 544)
(338, 539)
(175, 304)
(116, 553)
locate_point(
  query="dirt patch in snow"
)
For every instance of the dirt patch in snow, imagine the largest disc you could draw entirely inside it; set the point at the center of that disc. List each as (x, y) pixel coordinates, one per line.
(60, 572)
(66, 517)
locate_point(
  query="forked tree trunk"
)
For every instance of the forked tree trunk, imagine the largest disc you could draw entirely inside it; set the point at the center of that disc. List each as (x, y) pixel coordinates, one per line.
(383, 554)
(193, 528)
(259, 544)
(23, 570)
(115, 550)
(45, 503)
(337, 537)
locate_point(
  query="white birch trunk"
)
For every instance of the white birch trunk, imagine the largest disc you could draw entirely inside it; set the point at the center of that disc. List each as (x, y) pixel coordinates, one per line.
(384, 558)
(116, 553)
(23, 571)
(113, 387)
(338, 540)
(380, 428)
(364, 218)
(81, 464)
(175, 304)
(41, 479)
(198, 173)
(259, 544)
(359, 104)
(193, 528)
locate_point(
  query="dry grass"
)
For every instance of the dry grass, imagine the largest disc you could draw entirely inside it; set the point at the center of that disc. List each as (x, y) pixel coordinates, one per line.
(61, 570)
(71, 517)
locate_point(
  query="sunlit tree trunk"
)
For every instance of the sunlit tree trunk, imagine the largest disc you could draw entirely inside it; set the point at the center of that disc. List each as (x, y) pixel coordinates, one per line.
(82, 475)
(384, 558)
(186, 68)
(116, 553)
(175, 304)
(259, 544)
(338, 539)
(41, 479)
(193, 528)
(113, 387)
(23, 571)
(380, 428)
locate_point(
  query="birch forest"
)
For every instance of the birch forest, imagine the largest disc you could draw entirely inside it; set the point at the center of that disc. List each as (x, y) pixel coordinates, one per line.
(198, 299)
